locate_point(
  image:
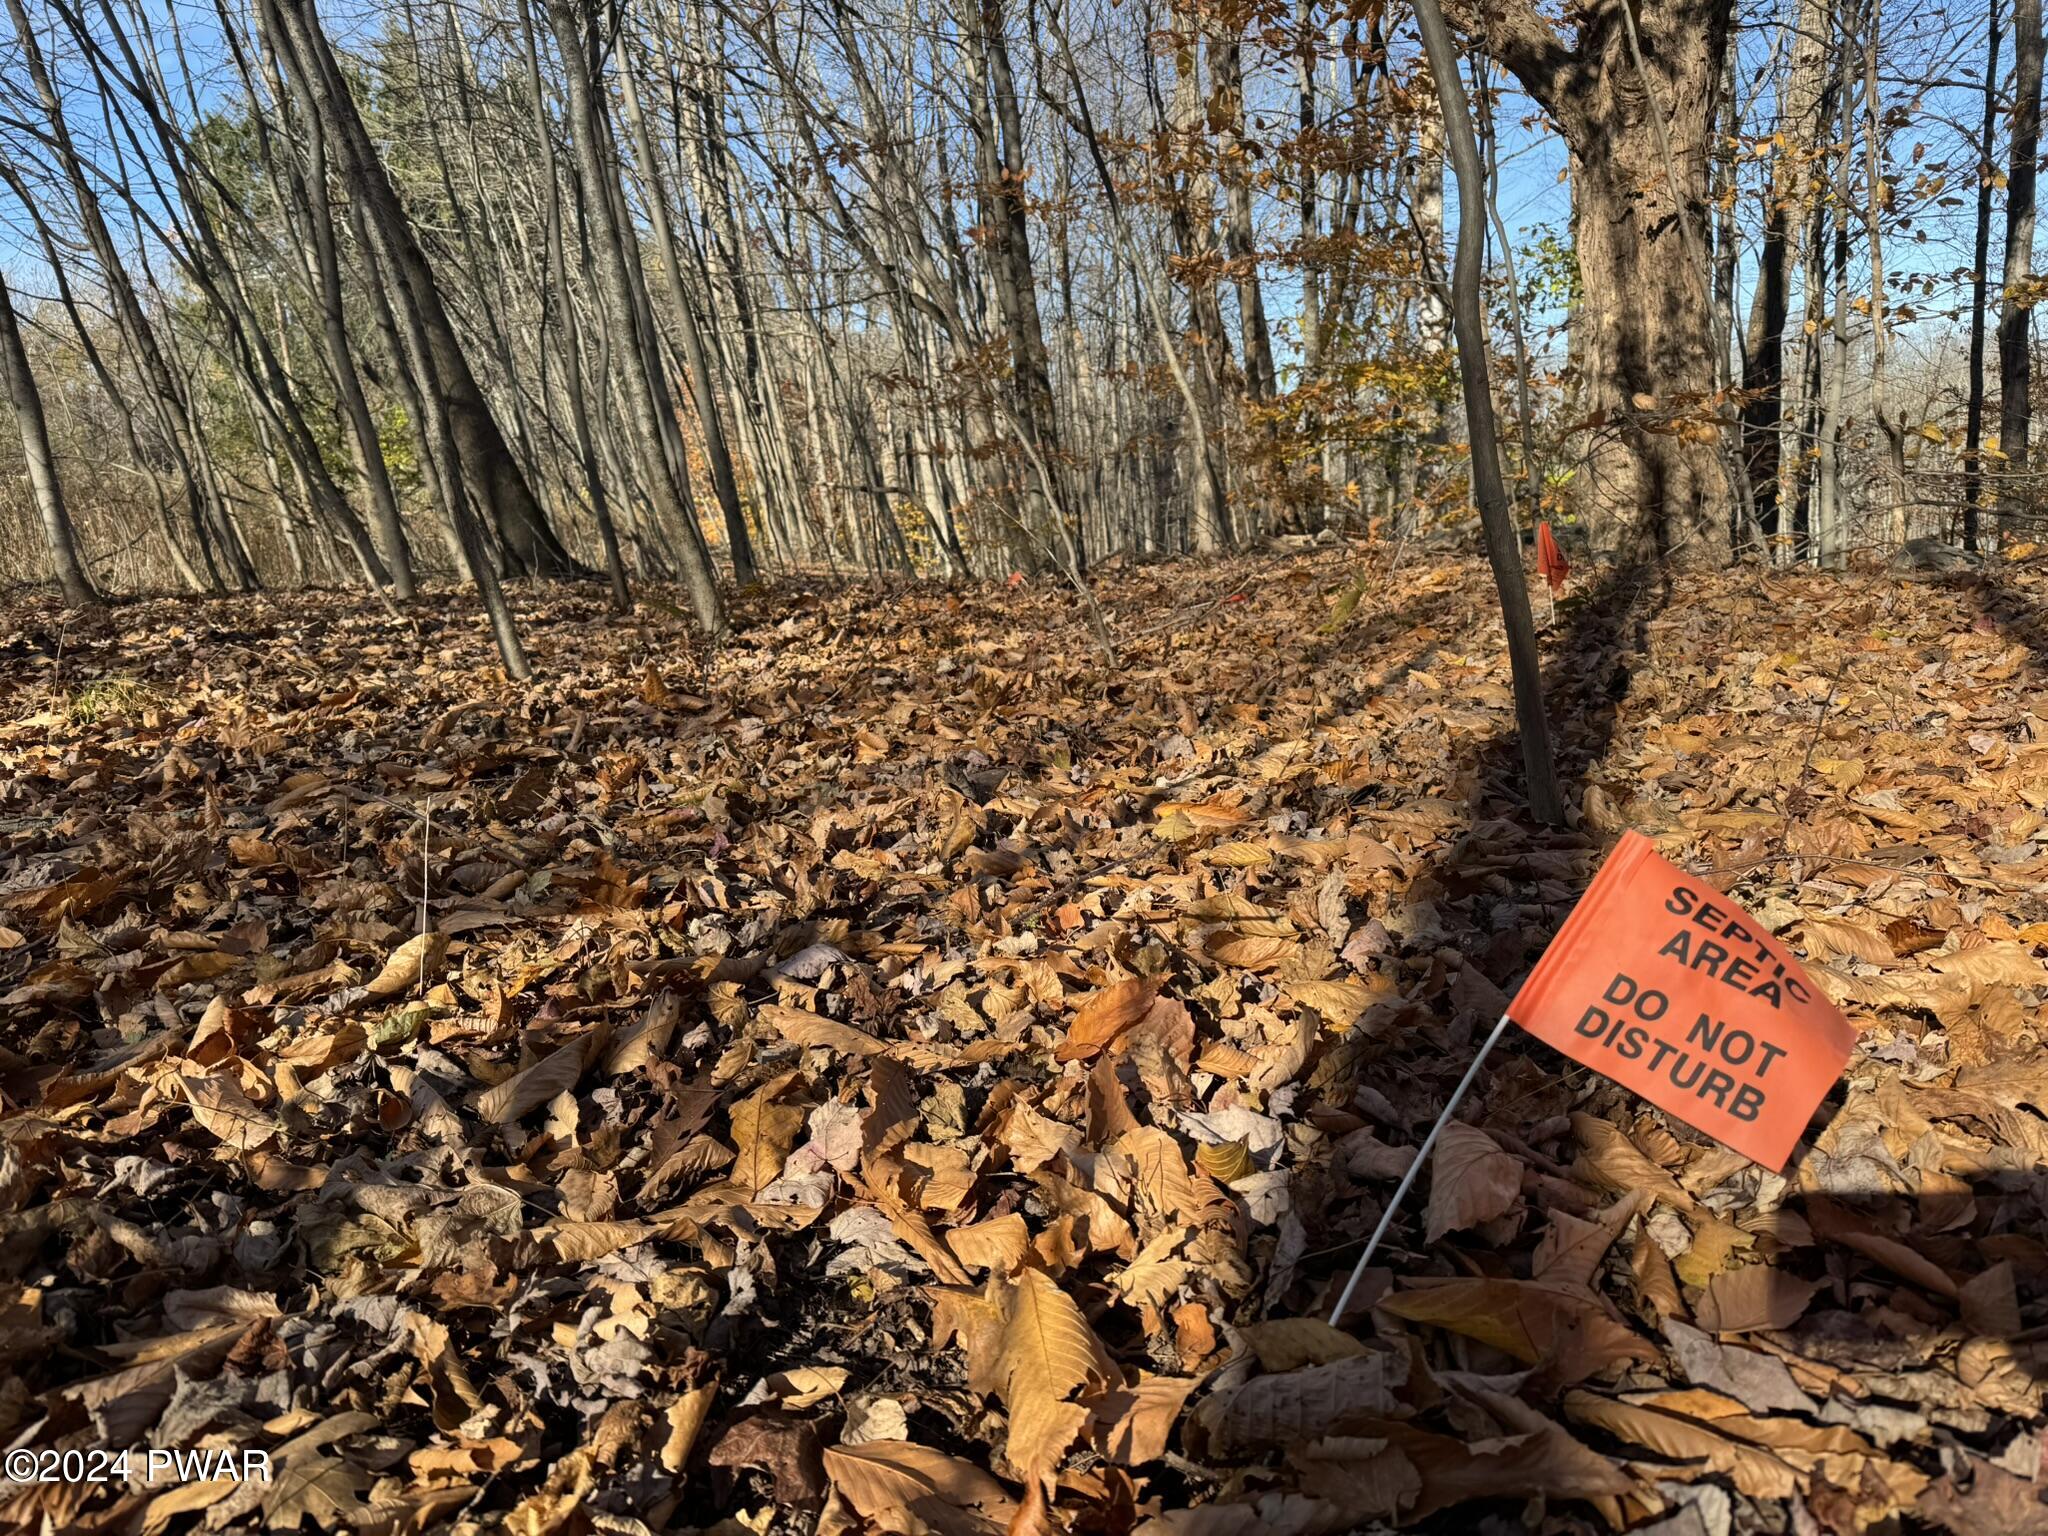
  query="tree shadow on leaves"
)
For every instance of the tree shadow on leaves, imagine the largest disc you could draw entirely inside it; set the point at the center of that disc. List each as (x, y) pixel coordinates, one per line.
(2004, 605)
(1854, 1345)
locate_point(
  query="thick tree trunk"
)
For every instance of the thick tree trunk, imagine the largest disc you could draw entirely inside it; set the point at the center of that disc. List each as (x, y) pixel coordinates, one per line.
(1648, 365)
(1644, 335)
(27, 401)
(2016, 311)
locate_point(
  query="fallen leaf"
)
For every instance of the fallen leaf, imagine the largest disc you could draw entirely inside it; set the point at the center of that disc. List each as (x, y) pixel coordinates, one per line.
(1471, 1181)
(1569, 1334)
(1106, 1015)
(1046, 1353)
(1753, 1299)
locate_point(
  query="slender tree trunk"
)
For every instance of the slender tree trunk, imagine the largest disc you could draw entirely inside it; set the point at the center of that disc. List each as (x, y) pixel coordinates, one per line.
(1874, 201)
(640, 378)
(2016, 310)
(1226, 52)
(470, 451)
(1433, 323)
(724, 482)
(365, 447)
(169, 400)
(1831, 504)
(27, 401)
(1980, 276)
(1503, 547)
(203, 256)
(558, 301)
(489, 469)
(1192, 218)
(1012, 274)
(1787, 209)
(143, 462)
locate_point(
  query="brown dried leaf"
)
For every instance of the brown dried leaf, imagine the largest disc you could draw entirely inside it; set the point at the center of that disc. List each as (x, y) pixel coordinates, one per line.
(415, 962)
(1563, 1330)
(1106, 1015)
(1471, 1180)
(1756, 1298)
(1046, 1353)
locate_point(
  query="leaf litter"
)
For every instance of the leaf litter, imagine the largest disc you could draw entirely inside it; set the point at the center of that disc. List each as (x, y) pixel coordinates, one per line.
(898, 1075)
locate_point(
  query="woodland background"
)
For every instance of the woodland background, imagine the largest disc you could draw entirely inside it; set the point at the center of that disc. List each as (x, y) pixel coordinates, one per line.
(638, 893)
(949, 290)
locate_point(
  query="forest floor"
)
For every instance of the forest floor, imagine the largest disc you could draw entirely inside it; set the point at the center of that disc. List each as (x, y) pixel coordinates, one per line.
(904, 1064)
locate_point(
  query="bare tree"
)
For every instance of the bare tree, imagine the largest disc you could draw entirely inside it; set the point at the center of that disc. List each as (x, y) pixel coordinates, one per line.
(27, 402)
(1468, 318)
(2016, 310)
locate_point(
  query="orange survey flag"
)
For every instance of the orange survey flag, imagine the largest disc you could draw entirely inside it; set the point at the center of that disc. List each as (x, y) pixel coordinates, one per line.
(1663, 984)
(1550, 559)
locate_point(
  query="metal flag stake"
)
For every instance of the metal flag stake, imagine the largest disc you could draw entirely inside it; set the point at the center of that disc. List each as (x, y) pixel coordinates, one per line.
(1408, 1179)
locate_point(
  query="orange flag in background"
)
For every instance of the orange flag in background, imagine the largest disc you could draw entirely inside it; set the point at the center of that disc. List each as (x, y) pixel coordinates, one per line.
(1663, 984)
(1550, 559)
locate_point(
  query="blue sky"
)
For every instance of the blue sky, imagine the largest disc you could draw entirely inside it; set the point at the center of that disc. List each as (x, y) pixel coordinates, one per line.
(1924, 41)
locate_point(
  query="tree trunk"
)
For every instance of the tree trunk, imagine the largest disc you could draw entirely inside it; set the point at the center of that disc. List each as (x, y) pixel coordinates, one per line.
(27, 401)
(1874, 201)
(1468, 317)
(1432, 433)
(702, 393)
(350, 402)
(1973, 412)
(557, 298)
(1226, 54)
(2016, 310)
(1000, 141)
(1644, 336)
(640, 376)
(489, 469)
(141, 460)
(1788, 201)
(1191, 205)
(169, 399)
(1831, 500)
